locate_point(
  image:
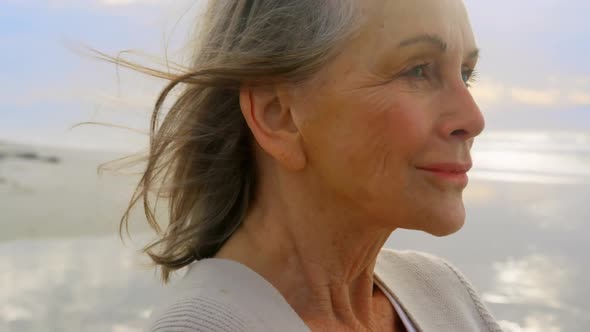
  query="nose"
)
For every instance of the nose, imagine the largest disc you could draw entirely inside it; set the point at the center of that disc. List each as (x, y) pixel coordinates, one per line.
(461, 118)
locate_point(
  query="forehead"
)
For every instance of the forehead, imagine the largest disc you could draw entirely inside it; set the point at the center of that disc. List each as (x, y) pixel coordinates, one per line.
(387, 22)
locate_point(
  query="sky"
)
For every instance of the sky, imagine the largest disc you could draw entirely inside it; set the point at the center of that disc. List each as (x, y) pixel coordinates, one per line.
(534, 73)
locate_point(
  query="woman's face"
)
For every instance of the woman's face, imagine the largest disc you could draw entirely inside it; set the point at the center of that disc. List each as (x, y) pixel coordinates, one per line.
(388, 124)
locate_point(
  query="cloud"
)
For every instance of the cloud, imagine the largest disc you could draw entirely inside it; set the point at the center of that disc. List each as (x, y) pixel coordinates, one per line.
(96, 4)
(493, 93)
(486, 93)
(579, 98)
(545, 97)
(129, 2)
(582, 81)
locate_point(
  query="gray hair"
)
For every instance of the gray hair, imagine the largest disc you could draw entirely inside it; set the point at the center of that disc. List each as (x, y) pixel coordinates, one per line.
(201, 151)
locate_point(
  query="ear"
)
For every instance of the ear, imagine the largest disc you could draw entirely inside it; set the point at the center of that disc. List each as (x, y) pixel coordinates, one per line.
(271, 121)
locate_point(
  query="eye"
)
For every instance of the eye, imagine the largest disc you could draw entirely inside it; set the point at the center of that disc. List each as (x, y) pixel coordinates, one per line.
(417, 71)
(468, 76)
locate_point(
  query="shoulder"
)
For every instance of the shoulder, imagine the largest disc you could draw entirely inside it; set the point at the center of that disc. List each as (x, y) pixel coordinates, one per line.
(198, 313)
(429, 281)
(421, 264)
(420, 267)
(415, 264)
(202, 300)
(221, 296)
(410, 257)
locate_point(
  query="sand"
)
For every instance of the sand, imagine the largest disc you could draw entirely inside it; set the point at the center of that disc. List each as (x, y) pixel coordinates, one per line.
(62, 268)
(48, 192)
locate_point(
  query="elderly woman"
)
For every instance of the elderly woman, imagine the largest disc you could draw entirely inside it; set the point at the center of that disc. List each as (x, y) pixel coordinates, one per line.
(307, 131)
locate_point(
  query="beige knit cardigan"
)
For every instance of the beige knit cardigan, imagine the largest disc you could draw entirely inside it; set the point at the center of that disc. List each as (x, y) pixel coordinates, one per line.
(224, 296)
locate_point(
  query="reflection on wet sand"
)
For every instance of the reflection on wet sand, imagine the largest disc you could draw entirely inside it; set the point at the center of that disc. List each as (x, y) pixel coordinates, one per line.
(542, 283)
(537, 158)
(524, 245)
(528, 253)
(534, 280)
(84, 284)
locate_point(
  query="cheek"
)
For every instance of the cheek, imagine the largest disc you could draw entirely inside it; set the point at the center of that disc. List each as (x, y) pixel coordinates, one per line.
(366, 145)
(398, 128)
(397, 133)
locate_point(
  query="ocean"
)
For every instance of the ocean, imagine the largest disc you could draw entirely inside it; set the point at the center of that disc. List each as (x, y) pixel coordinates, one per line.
(525, 245)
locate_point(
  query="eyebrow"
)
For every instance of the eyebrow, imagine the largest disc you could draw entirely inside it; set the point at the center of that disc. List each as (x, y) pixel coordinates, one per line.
(430, 39)
(474, 55)
(437, 42)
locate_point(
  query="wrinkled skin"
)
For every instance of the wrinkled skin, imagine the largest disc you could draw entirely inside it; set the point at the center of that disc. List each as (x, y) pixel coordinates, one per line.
(371, 118)
(341, 160)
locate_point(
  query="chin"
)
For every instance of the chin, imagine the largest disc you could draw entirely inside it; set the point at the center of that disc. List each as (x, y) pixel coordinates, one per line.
(449, 229)
(445, 223)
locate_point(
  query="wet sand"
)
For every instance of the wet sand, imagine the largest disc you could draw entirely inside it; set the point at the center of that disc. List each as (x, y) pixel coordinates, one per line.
(62, 268)
(52, 192)
(525, 248)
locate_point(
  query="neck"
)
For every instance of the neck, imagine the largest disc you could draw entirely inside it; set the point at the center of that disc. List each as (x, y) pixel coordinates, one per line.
(322, 262)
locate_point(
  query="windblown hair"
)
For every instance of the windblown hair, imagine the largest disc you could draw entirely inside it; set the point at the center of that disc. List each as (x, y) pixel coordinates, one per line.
(201, 156)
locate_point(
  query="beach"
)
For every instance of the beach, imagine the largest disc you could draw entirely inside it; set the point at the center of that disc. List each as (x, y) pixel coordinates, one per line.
(524, 246)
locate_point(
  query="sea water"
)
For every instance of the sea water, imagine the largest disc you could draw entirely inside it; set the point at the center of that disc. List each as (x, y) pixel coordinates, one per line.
(525, 245)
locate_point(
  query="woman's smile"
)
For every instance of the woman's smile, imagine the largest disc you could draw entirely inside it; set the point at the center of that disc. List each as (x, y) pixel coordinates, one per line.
(453, 173)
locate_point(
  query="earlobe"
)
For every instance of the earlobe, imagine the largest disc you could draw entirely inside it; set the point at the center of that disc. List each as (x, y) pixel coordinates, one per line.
(272, 124)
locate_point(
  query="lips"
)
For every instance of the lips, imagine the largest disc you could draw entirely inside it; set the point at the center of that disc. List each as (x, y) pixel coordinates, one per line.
(451, 168)
(448, 173)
